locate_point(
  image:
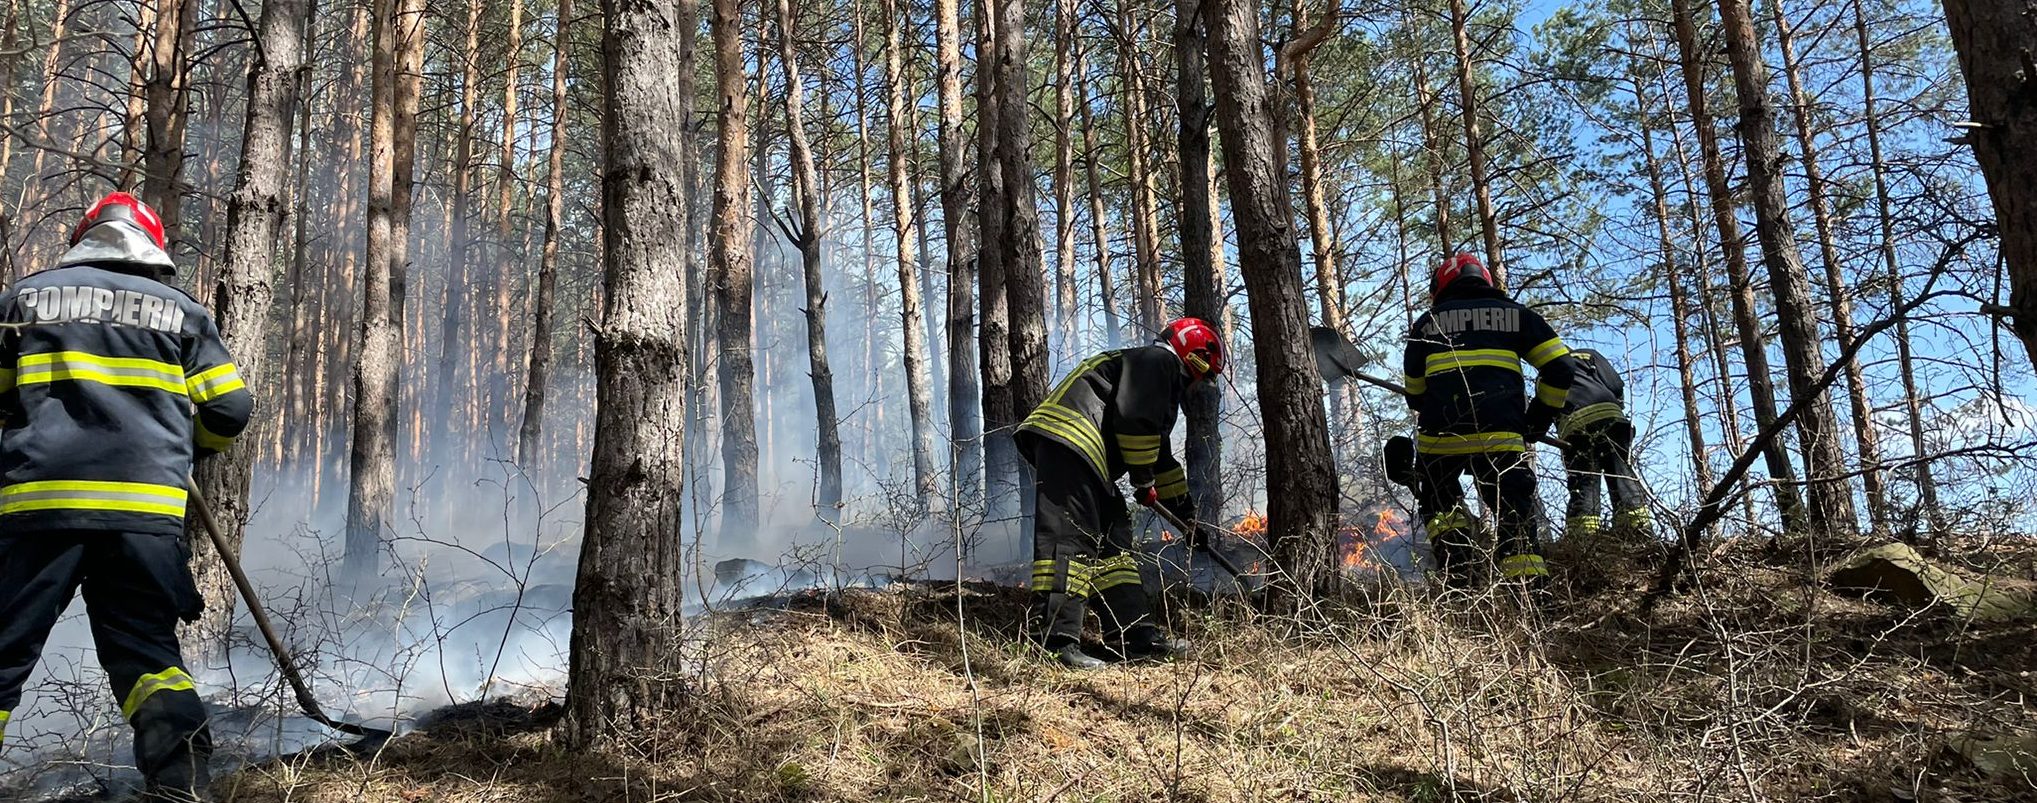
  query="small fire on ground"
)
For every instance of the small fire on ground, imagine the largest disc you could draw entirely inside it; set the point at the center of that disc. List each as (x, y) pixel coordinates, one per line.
(1364, 548)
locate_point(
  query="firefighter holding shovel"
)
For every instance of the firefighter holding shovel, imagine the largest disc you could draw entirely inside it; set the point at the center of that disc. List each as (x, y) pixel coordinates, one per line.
(1110, 418)
(1465, 382)
(111, 381)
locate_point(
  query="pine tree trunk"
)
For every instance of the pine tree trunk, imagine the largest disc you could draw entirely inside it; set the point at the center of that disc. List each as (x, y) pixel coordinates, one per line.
(1099, 221)
(168, 110)
(1753, 342)
(371, 483)
(1345, 414)
(539, 372)
(1679, 303)
(242, 299)
(919, 392)
(1831, 497)
(1837, 288)
(1927, 485)
(1993, 39)
(460, 285)
(1303, 505)
(731, 274)
(1433, 158)
(1474, 139)
(1024, 273)
(1202, 286)
(965, 393)
(1000, 454)
(511, 94)
(627, 608)
(1145, 214)
(806, 193)
(1065, 34)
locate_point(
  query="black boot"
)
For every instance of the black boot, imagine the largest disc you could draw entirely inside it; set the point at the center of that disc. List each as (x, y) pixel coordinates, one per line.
(1073, 657)
(1149, 644)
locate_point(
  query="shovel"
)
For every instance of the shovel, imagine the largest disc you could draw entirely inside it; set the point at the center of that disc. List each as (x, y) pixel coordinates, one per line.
(1337, 359)
(1222, 561)
(285, 661)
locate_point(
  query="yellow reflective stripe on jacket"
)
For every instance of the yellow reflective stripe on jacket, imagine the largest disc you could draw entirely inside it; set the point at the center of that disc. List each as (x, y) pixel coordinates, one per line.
(1081, 369)
(1548, 350)
(171, 679)
(1115, 571)
(1551, 395)
(1524, 566)
(125, 497)
(1070, 426)
(1479, 443)
(1588, 415)
(208, 385)
(1171, 483)
(1417, 385)
(1139, 450)
(1472, 358)
(132, 372)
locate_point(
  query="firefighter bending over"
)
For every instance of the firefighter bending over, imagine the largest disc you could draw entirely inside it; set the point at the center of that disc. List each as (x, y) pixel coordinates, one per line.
(1601, 439)
(1110, 418)
(1465, 383)
(110, 382)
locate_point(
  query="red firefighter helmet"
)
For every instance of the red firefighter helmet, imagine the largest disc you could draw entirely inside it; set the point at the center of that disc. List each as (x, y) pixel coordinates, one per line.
(1461, 266)
(1197, 344)
(125, 208)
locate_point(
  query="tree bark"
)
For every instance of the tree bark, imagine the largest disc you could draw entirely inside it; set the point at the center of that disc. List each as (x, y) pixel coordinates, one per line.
(168, 106)
(1345, 414)
(460, 286)
(965, 393)
(806, 193)
(1026, 297)
(242, 299)
(1753, 342)
(1099, 221)
(733, 232)
(1303, 500)
(1065, 34)
(1000, 454)
(1145, 214)
(1679, 303)
(1202, 286)
(919, 391)
(1927, 485)
(511, 94)
(1837, 288)
(626, 601)
(1474, 139)
(1993, 39)
(371, 482)
(539, 372)
(1831, 498)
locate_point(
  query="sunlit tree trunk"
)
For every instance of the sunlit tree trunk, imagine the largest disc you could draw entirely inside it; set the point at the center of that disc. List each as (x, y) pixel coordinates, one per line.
(1099, 220)
(1993, 39)
(806, 194)
(1000, 455)
(1474, 138)
(1026, 293)
(371, 484)
(1753, 341)
(539, 372)
(1831, 497)
(731, 275)
(919, 393)
(168, 109)
(1202, 285)
(627, 611)
(1145, 213)
(1303, 514)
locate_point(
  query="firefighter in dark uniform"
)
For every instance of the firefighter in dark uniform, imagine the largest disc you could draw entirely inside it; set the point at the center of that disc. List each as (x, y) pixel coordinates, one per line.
(110, 382)
(1465, 383)
(1601, 439)
(1109, 418)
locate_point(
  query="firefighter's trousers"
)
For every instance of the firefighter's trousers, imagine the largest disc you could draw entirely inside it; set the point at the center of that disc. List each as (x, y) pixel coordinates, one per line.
(1506, 485)
(1600, 455)
(136, 588)
(1082, 550)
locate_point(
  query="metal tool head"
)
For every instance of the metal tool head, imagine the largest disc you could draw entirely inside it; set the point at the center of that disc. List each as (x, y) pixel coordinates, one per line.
(1336, 358)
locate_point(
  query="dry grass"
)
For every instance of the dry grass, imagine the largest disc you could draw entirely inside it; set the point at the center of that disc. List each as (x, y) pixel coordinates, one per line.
(1753, 688)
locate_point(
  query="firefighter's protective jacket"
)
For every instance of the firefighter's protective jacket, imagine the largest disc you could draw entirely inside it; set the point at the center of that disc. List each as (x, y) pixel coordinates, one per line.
(109, 383)
(1116, 410)
(1464, 376)
(1596, 394)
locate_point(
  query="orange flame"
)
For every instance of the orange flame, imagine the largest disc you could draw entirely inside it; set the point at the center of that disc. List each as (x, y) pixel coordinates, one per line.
(1254, 523)
(1357, 546)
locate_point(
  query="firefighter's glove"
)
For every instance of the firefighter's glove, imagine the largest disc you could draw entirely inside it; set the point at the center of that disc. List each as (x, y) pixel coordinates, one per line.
(1540, 418)
(1398, 460)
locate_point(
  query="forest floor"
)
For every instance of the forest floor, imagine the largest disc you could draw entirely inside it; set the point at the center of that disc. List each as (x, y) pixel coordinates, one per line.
(1759, 685)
